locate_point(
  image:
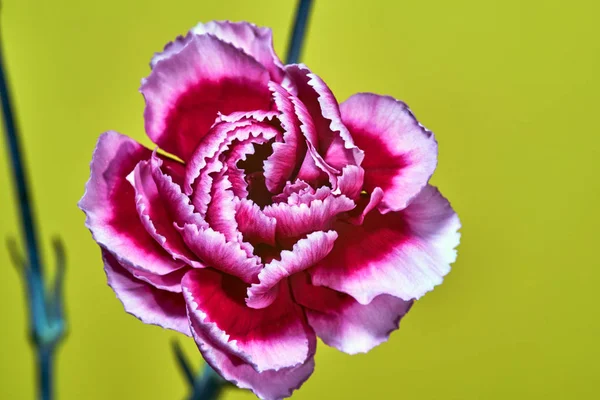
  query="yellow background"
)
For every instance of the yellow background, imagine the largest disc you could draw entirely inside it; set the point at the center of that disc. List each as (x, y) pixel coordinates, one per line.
(511, 89)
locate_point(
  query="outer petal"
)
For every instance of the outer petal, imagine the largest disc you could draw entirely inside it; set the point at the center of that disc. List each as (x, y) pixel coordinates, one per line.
(255, 41)
(342, 322)
(110, 208)
(400, 154)
(403, 254)
(170, 49)
(271, 338)
(268, 385)
(185, 92)
(170, 282)
(305, 253)
(150, 305)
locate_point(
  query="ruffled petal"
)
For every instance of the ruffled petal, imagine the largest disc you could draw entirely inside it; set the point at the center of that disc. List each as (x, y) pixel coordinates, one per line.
(206, 159)
(342, 322)
(185, 92)
(170, 282)
(365, 204)
(253, 40)
(290, 189)
(220, 214)
(170, 49)
(403, 254)
(254, 225)
(150, 305)
(154, 215)
(400, 154)
(313, 169)
(305, 253)
(110, 207)
(271, 338)
(334, 141)
(215, 251)
(287, 155)
(294, 220)
(267, 385)
(350, 183)
(177, 205)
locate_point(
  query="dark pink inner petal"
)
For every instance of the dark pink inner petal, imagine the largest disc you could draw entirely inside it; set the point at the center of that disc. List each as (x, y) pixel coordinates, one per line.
(220, 214)
(254, 225)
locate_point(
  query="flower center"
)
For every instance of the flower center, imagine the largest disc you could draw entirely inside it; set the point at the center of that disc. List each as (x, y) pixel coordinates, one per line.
(254, 175)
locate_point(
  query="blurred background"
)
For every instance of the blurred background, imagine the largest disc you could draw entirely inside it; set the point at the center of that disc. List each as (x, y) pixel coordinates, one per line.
(511, 89)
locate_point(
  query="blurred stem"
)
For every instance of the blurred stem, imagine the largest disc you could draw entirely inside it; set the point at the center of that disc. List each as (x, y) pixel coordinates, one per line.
(45, 372)
(46, 322)
(14, 150)
(300, 25)
(208, 386)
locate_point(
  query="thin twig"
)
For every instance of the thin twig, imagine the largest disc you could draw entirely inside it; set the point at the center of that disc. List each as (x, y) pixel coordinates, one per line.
(183, 362)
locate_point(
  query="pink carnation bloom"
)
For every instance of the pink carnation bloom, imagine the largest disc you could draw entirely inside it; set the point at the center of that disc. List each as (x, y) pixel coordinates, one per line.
(288, 217)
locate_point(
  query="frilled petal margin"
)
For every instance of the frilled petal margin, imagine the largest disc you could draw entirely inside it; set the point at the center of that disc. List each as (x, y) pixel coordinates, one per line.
(110, 207)
(305, 253)
(253, 40)
(400, 154)
(403, 254)
(185, 92)
(215, 251)
(334, 141)
(298, 220)
(271, 338)
(288, 154)
(267, 385)
(145, 302)
(254, 225)
(155, 216)
(342, 322)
